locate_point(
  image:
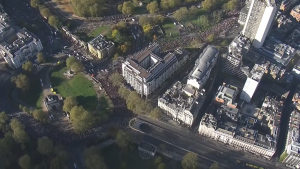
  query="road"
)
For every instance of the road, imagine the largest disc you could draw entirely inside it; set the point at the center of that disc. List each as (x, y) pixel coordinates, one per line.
(201, 145)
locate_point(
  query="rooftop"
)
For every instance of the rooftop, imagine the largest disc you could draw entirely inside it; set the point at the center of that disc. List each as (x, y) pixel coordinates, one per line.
(239, 46)
(17, 40)
(259, 69)
(277, 51)
(296, 9)
(149, 62)
(293, 139)
(250, 124)
(226, 95)
(183, 98)
(100, 43)
(51, 98)
(296, 98)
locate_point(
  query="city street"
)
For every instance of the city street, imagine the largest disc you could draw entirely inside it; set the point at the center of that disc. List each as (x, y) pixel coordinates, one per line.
(203, 146)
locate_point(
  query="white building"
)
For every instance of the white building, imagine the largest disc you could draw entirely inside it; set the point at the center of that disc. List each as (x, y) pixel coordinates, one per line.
(260, 17)
(146, 70)
(182, 102)
(235, 127)
(253, 79)
(18, 47)
(292, 147)
(203, 66)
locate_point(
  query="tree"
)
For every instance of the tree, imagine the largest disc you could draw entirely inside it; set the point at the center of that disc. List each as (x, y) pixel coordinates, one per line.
(16, 124)
(161, 166)
(35, 3)
(208, 5)
(230, 5)
(157, 160)
(45, 12)
(77, 67)
(69, 103)
(181, 13)
(156, 113)
(116, 34)
(22, 82)
(158, 19)
(25, 161)
(147, 28)
(210, 38)
(123, 139)
(54, 21)
(27, 66)
(283, 156)
(204, 21)
(127, 8)
(20, 136)
(39, 115)
(125, 47)
(81, 119)
(168, 4)
(116, 79)
(120, 6)
(45, 145)
(93, 159)
(123, 92)
(3, 120)
(40, 57)
(95, 10)
(152, 7)
(214, 166)
(70, 61)
(190, 161)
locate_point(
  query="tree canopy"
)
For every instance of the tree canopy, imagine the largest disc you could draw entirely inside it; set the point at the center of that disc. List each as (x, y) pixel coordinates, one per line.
(54, 21)
(156, 113)
(22, 82)
(169, 4)
(45, 12)
(69, 103)
(88, 8)
(77, 67)
(45, 145)
(230, 5)
(27, 66)
(3, 120)
(127, 8)
(70, 61)
(123, 139)
(190, 161)
(35, 3)
(93, 159)
(116, 79)
(39, 115)
(153, 7)
(40, 57)
(181, 13)
(214, 166)
(81, 119)
(25, 161)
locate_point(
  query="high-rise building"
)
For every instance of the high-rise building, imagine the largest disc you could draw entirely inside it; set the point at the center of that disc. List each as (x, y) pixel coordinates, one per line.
(238, 48)
(146, 70)
(259, 20)
(253, 79)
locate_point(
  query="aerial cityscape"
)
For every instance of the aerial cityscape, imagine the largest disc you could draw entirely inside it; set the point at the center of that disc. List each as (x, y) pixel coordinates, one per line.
(146, 84)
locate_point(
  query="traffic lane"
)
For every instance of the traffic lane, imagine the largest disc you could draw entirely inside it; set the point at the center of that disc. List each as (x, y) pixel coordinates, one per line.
(184, 143)
(230, 151)
(168, 148)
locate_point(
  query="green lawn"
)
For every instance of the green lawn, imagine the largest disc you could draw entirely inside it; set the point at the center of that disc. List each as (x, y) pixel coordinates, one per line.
(34, 96)
(170, 28)
(114, 157)
(104, 30)
(79, 87)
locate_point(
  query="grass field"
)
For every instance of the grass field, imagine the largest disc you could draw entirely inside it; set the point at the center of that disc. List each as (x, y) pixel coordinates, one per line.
(79, 87)
(34, 96)
(104, 30)
(170, 28)
(114, 158)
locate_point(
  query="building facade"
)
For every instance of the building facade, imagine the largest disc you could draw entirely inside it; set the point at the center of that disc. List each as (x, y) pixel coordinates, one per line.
(203, 66)
(295, 12)
(260, 17)
(182, 103)
(19, 47)
(146, 70)
(101, 48)
(242, 127)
